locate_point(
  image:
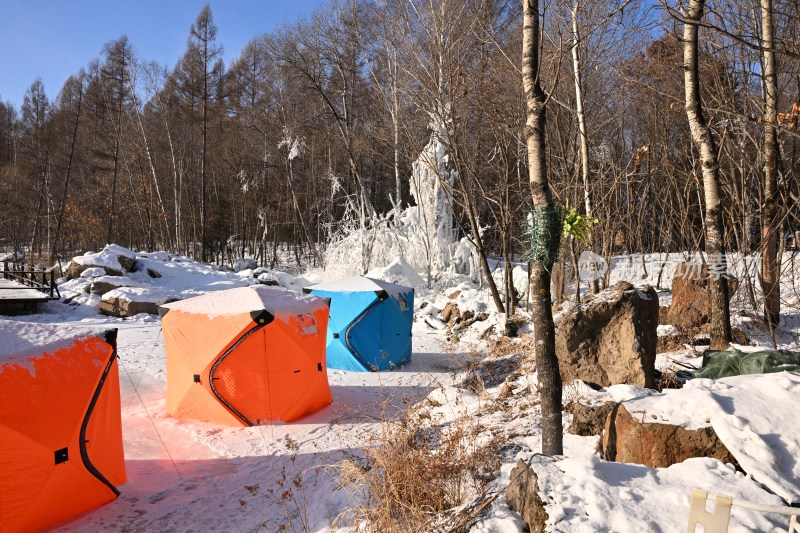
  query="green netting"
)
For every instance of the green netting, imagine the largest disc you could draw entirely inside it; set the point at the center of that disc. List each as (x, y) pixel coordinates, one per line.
(544, 234)
(733, 362)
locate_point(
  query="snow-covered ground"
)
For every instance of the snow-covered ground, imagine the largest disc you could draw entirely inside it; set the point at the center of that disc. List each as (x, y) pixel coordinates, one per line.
(186, 475)
(192, 476)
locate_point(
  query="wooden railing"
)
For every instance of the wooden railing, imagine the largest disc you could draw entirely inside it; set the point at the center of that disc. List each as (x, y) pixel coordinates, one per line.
(41, 280)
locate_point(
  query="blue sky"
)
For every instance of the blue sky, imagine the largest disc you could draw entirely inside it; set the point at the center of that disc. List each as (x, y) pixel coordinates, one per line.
(53, 39)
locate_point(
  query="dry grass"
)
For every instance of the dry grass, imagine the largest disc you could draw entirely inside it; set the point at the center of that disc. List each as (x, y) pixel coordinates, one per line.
(571, 393)
(668, 380)
(415, 472)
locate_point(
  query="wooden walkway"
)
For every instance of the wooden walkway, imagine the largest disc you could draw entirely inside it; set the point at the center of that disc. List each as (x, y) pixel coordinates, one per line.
(11, 290)
(22, 290)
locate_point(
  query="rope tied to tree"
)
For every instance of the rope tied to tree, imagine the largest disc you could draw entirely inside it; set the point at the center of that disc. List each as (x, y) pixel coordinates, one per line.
(543, 232)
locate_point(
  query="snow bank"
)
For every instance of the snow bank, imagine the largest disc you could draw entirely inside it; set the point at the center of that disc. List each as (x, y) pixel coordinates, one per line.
(398, 272)
(105, 258)
(153, 295)
(93, 272)
(755, 417)
(586, 494)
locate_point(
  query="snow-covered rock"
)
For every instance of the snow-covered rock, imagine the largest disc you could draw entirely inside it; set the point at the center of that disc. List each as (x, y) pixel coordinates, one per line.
(245, 264)
(398, 272)
(129, 301)
(93, 272)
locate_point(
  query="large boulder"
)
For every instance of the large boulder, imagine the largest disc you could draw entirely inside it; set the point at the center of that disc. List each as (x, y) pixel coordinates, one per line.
(523, 496)
(588, 420)
(611, 339)
(129, 301)
(113, 259)
(637, 439)
(125, 256)
(105, 284)
(690, 297)
(76, 269)
(244, 264)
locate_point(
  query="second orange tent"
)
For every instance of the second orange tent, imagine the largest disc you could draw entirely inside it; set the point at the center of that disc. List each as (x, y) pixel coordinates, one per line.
(246, 356)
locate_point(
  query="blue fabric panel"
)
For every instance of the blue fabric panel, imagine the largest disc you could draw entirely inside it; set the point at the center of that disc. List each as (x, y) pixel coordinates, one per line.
(338, 356)
(365, 339)
(345, 307)
(398, 317)
(381, 338)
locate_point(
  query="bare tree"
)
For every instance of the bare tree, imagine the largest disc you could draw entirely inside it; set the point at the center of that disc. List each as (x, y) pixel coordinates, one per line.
(541, 313)
(72, 98)
(117, 73)
(770, 225)
(701, 136)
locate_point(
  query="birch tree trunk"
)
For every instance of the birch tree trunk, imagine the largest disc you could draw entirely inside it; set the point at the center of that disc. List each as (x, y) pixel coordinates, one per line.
(701, 137)
(583, 134)
(770, 226)
(541, 312)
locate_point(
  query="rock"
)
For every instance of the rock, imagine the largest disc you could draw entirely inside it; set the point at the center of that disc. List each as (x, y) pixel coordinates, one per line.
(244, 264)
(120, 307)
(127, 263)
(690, 297)
(634, 440)
(450, 312)
(513, 325)
(129, 301)
(435, 323)
(454, 295)
(669, 338)
(153, 273)
(739, 336)
(663, 312)
(74, 270)
(93, 272)
(523, 496)
(245, 273)
(125, 256)
(611, 339)
(269, 282)
(105, 284)
(589, 420)
(669, 343)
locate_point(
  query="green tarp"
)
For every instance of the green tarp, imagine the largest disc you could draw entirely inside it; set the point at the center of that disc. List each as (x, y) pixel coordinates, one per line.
(733, 362)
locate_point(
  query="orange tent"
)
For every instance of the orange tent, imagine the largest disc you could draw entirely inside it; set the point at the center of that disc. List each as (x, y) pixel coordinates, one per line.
(246, 356)
(60, 426)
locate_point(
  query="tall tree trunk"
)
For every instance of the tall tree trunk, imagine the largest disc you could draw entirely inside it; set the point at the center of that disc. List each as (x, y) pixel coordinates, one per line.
(203, 221)
(770, 227)
(542, 314)
(60, 222)
(701, 136)
(300, 214)
(583, 134)
(112, 211)
(151, 164)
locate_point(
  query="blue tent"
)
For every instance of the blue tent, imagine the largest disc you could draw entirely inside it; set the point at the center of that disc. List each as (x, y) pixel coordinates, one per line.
(370, 323)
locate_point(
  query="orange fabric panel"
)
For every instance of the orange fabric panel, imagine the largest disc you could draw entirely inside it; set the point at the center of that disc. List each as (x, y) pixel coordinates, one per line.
(199, 403)
(193, 342)
(240, 378)
(296, 351)
(103, 432)
(70, 490)
(41, 411)
(25, 465)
